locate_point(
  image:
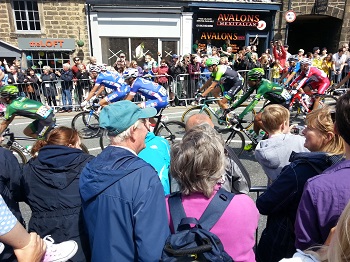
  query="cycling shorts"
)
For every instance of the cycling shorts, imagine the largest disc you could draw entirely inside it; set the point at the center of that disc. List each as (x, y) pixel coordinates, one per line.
(157, 104)
(321, 87)
(115, 96)
(44, 126)
(232, 92)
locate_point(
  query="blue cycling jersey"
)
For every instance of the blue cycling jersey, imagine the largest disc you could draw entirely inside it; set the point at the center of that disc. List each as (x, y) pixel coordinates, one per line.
(295, 68)
(149, 89)
(110, 80)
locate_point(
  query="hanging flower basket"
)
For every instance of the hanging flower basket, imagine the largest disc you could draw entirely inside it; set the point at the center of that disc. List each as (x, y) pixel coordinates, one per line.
(80, 43)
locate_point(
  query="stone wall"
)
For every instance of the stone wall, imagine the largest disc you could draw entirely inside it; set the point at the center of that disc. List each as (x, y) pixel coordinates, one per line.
(58, 19)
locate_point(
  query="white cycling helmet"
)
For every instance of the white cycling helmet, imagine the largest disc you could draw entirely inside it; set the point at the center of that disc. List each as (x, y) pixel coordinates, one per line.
(131, 72)
(94, 68)
(305, 61)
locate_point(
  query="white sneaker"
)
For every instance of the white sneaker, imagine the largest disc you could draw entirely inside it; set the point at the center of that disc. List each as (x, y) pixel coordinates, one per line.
(2, 247)
(59, 252)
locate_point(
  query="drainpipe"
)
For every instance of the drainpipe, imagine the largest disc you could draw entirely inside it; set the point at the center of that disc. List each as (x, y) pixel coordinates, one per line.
(90, 34)
(287, 24)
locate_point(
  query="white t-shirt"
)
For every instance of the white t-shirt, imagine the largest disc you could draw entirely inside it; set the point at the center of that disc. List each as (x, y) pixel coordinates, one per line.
(338, 60)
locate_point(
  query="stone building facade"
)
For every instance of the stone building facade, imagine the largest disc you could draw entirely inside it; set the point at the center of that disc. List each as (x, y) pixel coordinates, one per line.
(60, 20)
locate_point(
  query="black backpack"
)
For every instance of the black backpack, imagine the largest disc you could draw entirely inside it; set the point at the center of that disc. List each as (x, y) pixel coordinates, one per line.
(196, 243)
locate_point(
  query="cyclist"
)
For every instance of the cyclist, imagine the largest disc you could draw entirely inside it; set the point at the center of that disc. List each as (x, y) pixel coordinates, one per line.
(44, 117)
(311, 78)
(294, 68)
(106, 80)
(272, 92)
(155, 94)
(223, 79)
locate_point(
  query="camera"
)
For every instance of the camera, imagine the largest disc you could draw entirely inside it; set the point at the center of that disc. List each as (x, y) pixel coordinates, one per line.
(297, 130)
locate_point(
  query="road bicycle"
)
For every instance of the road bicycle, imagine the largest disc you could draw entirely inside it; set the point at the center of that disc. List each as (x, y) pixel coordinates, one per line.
(205, 108)
(234, 135)
(170, 130)
(20, 152)
(87, 122)
(299, 105)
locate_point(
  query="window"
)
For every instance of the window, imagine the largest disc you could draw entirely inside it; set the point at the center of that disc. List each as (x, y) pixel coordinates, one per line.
(55, 60)
(26, 15)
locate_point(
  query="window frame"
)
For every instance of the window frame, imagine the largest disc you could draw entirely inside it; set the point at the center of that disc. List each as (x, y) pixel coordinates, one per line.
(27, 20)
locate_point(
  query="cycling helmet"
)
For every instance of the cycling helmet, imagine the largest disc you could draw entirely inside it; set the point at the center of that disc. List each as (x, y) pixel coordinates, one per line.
(212, 61)
(293, 58)
(94, 68)
(9, 91)
(256, 74)
(131, 72)
(305, 61)
(103, 67)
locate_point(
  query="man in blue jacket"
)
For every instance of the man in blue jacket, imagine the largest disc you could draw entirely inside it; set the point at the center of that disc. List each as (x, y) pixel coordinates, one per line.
(122, 196)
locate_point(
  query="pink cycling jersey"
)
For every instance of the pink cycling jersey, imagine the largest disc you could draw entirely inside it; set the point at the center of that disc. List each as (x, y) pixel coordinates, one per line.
(315, 78)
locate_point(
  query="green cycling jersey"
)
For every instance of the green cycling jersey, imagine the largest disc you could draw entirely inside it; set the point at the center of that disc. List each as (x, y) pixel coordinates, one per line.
(26, 107)
(271, 91)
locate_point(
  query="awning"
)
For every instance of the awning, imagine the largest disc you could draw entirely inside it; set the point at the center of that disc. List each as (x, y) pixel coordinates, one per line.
(7, 50)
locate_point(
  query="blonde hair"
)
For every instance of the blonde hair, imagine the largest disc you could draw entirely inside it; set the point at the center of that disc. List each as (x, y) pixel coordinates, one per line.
(198, 160)
(273, 117)
(321, 120)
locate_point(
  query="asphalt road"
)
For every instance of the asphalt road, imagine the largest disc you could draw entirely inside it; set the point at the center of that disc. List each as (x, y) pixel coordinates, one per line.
(258, 177)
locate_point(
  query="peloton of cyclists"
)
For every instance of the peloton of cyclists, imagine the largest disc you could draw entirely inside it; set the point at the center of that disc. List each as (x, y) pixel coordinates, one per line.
(106, 80)
(44, 118)
(223, 80)
(311, 78)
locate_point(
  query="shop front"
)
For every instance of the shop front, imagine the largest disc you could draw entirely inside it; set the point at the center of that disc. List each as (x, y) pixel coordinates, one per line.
(233, 27)
(51, 52)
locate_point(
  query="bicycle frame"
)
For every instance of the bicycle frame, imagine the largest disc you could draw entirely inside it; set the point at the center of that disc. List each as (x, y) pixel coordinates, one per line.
(12, 142)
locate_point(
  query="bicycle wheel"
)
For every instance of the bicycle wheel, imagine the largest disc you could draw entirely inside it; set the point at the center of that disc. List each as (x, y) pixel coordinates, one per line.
(234, 139)
(328, 100)
(21, 158)
(193, 111)
(104, 140)
(171, 130)
(86, 124)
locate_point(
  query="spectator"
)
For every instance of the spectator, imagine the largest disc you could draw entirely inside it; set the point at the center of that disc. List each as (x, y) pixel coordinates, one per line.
(148, 74)
(301, 54)
(237, 178)
(83, 83)
(338, 62)
(197, 163)
(280, 53)
(281, 200)
(228, 53)
(48, 85)
(54, 171)
(15, 77)
(122, 196)
(150, 62)
(30, 247)
(134, 64)
(194, 71)
(325, 196)
(157, 154)
(327, 65)
(335, 249)
(92, 62)
(177, 67)
(32, 88)
(10, 174)
(3, 78)
(121, 64)
(323, 53)
(66, 76)
(276, 69)
(75, 67)
(162, 73)
(273, 154)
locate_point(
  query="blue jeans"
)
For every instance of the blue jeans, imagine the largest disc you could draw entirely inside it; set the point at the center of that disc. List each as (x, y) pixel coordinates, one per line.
(67, 99)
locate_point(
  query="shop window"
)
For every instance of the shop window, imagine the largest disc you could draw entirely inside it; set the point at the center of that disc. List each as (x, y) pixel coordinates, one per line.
(26, 15)
(134, 49)
(55, 60)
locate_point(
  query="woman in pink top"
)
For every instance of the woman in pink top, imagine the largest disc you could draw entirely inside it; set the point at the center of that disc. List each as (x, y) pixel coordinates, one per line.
(197, 163)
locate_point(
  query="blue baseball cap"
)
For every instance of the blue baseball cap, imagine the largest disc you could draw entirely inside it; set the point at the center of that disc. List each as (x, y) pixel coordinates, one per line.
(119, 116)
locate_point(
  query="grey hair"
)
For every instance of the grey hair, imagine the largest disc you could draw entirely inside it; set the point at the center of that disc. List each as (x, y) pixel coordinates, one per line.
(66, 65)
(117, 139)
(198, 160)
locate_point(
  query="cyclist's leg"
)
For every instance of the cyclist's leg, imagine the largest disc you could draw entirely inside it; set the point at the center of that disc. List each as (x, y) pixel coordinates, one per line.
(157, 104)
(231, 93)
(31, 129)
(111, 98)
(321, 90)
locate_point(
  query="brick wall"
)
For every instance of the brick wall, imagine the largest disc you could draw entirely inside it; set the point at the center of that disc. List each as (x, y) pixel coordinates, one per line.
(58, 19)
